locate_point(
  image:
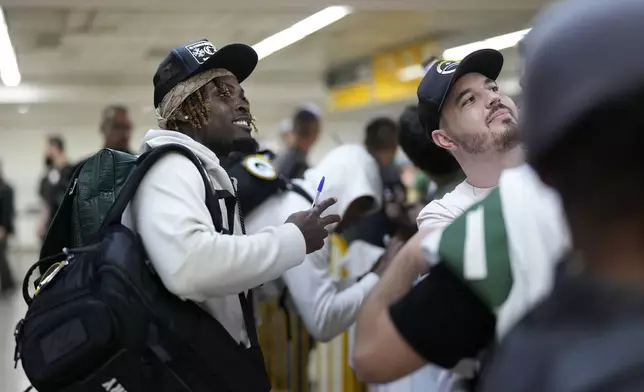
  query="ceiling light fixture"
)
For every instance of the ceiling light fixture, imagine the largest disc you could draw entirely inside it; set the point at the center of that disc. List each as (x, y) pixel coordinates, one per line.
(9, 72)
(500, 42)
(301, 29)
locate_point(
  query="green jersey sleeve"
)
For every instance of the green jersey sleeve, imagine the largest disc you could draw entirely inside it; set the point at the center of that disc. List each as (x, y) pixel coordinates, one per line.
(475, 247)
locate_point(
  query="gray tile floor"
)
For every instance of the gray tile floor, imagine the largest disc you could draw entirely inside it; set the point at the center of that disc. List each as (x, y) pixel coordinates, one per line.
(12, 309)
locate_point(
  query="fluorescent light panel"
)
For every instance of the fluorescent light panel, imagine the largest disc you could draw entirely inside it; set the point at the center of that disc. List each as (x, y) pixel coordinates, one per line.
(301, 29)
(499, 43)
(9, 72)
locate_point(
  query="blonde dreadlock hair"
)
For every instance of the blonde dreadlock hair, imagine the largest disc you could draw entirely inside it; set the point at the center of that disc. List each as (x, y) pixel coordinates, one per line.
(197, 108)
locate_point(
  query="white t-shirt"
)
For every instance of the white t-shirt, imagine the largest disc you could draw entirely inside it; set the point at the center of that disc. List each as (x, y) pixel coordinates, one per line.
(440, 213)
(506, 247)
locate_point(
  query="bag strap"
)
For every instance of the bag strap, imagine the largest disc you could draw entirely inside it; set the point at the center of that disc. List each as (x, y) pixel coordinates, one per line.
(61, 221)
(300, 191)
(245, 301)
(145, 162)
(47, 261)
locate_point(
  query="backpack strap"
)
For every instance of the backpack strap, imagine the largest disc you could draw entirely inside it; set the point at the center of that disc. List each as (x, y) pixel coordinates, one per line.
(145, 162)
(300, 191)
(56, 233)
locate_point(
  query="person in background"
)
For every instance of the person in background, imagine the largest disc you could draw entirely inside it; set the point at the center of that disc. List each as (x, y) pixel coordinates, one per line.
(116, 128)
(6, 229)
(461, 107)
(352, 178)
(53, 185)
(292, 163)
(320, 304)
(201, 105)
(439, 167)
(381, 141)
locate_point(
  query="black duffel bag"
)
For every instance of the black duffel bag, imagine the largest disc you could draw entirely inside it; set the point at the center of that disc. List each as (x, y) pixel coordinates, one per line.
(101, 320)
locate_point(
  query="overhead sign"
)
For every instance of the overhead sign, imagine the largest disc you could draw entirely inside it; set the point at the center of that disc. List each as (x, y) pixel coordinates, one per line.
(350, 85)
(386, 77)
(388, 83)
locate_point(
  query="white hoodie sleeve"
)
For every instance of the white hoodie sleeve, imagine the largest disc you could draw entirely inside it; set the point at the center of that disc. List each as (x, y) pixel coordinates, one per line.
(325, 310)
(193, 261)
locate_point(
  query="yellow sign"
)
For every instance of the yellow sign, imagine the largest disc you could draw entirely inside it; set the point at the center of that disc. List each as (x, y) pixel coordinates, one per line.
(351, 96)
(386, 77)
(391, 82)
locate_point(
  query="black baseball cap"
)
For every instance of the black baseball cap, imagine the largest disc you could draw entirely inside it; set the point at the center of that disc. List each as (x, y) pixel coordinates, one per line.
(196, 57)
(442, 75)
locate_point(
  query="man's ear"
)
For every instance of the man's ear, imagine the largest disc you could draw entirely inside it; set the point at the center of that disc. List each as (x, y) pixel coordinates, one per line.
(442, 140)
(181, 119)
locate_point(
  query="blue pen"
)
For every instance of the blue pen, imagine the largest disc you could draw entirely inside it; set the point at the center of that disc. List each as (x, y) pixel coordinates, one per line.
(317, 196)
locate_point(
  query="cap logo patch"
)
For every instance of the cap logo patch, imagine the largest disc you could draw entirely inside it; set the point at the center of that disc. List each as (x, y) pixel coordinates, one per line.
(201, 50)
(446, 67)
(260, 167)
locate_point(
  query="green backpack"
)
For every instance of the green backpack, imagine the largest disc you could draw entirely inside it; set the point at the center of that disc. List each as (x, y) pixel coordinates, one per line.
(93, 188)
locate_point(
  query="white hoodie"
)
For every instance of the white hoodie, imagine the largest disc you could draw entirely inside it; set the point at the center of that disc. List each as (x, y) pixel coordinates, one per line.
(193, 261)
(351, 172)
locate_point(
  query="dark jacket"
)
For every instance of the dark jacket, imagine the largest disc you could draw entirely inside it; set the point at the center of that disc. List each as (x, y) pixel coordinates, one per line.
(6, 207)
(583, 338)
(53, 187)
(374, 227)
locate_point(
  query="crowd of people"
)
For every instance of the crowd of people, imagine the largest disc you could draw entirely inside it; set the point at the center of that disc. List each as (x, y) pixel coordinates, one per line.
(509, 274)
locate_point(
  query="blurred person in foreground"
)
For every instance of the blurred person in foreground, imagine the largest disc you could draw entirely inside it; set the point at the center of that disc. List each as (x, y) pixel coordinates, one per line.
(53, 185)
(306, 127)
(488, 268)
(201, 105)
(6, 229)
(583, 123)
(461, 107)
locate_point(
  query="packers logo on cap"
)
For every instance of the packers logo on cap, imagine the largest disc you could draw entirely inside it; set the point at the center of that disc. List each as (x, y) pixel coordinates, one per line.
(446, 67)
(259, 167)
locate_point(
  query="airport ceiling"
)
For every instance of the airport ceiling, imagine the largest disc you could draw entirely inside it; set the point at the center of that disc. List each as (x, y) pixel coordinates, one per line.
(77, 55)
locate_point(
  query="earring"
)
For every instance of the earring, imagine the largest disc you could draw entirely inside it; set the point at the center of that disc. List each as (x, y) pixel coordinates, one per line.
(186, 117)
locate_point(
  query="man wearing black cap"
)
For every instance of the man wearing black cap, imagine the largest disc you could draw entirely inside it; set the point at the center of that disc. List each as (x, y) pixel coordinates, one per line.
(201, 105)
(461, 108)
(479, 285)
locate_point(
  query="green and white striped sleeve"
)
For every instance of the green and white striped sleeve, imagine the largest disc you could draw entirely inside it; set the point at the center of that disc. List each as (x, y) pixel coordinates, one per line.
(475, 247)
